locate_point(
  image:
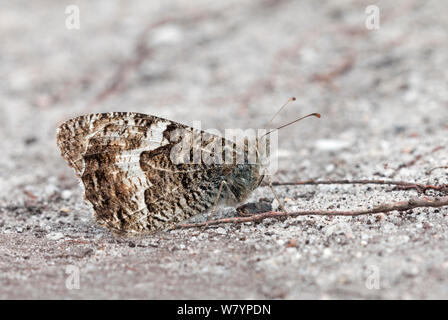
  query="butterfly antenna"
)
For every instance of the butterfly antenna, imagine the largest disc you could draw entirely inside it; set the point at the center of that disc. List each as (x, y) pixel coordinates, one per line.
(281, 108)
(317, 115)
(280, 203)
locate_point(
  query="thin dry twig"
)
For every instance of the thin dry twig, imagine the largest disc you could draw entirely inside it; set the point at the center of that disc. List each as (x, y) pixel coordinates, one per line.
(403, 185)
(435, 168)
(339, 70)
(417, 158)
(409, 164)
(72, 241)
(413, 203)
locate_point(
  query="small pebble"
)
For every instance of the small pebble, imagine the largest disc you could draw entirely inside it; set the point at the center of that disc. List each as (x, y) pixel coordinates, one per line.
(66, 194)
(221, 230)
(54, 236)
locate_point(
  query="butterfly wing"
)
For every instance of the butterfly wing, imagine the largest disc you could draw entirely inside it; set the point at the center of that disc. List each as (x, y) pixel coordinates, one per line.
(125, 161)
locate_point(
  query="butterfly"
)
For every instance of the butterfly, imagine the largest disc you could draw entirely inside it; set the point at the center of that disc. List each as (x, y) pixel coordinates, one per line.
(126, 166)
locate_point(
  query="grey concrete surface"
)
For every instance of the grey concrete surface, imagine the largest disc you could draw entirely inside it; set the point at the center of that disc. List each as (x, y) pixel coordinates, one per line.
(230, 64)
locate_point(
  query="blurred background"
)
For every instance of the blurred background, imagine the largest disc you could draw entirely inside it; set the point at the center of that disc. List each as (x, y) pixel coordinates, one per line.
(381, 89)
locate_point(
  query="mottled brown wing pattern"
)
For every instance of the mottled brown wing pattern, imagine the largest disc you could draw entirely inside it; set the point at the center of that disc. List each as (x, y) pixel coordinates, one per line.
(123, 160)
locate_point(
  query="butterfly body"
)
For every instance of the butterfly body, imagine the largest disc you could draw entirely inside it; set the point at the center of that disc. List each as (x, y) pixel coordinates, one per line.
(126, 165)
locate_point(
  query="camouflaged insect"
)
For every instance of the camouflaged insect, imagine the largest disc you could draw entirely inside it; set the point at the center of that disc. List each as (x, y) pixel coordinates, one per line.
(123, 161)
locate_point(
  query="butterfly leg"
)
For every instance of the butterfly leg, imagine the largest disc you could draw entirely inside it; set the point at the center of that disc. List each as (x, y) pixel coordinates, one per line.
(215, 205)
(280, 203)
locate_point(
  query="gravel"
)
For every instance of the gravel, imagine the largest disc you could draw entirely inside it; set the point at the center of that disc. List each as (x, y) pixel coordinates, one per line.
(230, 64)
